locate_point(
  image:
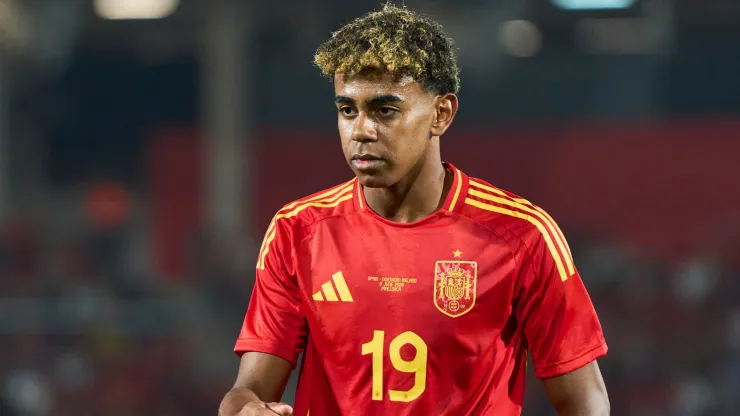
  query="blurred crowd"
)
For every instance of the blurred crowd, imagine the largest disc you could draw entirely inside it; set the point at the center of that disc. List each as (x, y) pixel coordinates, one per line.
(83, 331)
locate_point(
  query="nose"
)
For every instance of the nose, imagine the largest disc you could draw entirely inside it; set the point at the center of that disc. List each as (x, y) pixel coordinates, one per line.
(363, 129)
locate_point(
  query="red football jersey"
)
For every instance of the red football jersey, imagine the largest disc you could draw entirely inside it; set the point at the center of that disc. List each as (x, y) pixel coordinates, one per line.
(433, 317)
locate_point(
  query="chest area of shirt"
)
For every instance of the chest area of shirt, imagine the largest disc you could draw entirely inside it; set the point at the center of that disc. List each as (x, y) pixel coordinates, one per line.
(440, 273)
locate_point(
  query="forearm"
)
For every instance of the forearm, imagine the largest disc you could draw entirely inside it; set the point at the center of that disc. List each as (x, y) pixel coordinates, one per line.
(235, 400)
(593, 407)
(587, 412)
(579, 393)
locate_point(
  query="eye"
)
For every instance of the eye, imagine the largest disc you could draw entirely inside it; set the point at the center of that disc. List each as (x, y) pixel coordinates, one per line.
(346, 110)
(387, 111)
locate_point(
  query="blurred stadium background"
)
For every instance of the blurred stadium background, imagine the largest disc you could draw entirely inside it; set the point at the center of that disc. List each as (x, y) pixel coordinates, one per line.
(145, 144)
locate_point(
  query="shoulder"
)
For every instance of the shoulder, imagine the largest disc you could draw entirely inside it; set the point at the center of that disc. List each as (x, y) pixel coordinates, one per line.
(502, 210)
(509, 214)
(335, 200)
(302, 212)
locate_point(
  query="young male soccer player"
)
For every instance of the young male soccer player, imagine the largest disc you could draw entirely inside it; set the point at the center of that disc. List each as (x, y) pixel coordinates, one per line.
(413, 289)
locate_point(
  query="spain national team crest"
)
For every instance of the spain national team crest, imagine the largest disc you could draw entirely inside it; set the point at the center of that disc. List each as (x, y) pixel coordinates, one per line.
(455, 284)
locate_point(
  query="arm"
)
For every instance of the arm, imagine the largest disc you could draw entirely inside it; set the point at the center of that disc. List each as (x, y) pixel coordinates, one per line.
(262, 378)
(273, 334)
(580, 392)
(560, 325)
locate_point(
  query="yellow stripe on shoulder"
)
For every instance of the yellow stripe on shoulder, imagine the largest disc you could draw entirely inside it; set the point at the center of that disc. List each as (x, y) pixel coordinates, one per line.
(328, 199)
(525, 205)
(329, 192)
(496, 191)
(534, 221)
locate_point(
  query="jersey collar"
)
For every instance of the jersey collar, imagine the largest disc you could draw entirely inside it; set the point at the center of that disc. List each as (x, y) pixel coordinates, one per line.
(454, 200)
(458, 191)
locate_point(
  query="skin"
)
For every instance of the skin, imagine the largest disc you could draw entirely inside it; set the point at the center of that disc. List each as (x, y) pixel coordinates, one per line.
(394, 121)
(258, 388)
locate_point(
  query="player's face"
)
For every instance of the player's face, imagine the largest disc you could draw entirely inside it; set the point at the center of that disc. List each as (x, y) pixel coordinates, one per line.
(385, 123)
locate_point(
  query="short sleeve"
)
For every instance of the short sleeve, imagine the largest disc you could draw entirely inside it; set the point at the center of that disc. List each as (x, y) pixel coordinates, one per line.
(560, 324)
(274, 322)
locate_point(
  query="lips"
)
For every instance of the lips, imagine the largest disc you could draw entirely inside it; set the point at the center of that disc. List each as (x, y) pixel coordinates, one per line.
(366, 157)
(367, 163)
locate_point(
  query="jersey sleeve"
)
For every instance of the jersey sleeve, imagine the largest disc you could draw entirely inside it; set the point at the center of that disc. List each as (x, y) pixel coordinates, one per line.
(274, 322)
(560, 324)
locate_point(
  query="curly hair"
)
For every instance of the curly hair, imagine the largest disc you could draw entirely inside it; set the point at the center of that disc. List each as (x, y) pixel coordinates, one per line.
(397, 40)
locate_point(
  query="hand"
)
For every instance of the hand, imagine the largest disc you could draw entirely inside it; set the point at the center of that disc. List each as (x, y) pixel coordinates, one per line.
(265, 409)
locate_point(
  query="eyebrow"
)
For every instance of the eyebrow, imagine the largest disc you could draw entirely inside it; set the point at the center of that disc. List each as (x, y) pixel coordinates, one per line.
(375, 101)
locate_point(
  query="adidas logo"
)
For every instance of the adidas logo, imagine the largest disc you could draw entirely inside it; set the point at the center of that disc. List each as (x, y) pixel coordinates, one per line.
(327, 292)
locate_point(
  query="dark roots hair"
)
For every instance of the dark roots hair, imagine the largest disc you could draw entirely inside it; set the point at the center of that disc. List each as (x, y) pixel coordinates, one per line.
(397, 40)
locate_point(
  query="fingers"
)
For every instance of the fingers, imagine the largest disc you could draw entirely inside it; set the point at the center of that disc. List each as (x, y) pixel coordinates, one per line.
(280, 408)
(266, 409)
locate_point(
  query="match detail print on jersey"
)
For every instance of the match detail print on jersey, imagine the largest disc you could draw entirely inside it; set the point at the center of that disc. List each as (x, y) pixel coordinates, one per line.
(521, 208)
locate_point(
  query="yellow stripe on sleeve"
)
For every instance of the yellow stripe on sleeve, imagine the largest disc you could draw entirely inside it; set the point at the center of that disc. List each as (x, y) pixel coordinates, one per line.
(527, 206)
(537, 223)
(325, 203)
(337, 189)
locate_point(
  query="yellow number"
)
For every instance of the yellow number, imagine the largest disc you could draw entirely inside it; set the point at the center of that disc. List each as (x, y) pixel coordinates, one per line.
(417, 365)
(375, 347)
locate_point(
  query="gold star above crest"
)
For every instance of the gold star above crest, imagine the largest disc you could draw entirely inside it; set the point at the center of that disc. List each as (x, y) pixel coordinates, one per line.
(457, 253)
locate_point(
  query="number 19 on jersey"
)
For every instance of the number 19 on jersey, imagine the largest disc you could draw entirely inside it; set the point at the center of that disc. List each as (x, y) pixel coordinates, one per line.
(417, 365)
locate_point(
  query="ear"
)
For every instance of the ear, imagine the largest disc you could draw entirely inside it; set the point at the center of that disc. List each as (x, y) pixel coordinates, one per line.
(445, 110)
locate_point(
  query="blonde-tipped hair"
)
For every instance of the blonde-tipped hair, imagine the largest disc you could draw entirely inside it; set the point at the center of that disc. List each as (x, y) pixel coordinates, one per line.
(397, 40)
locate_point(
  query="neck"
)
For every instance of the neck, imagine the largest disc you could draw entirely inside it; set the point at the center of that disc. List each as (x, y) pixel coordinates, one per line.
(419, 194)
